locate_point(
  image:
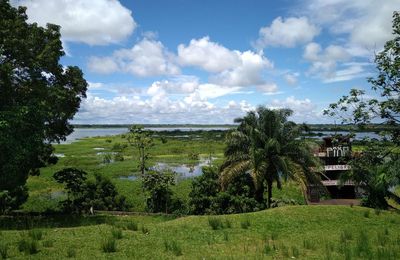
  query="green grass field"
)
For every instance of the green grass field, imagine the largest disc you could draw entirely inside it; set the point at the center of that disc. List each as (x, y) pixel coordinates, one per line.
(301, 232)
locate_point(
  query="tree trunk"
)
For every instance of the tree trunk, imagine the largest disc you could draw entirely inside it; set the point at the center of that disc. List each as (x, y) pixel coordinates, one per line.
(259, 194)
(269, 187)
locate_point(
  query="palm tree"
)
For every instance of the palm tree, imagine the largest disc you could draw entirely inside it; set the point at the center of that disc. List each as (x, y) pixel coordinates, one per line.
(267, 146)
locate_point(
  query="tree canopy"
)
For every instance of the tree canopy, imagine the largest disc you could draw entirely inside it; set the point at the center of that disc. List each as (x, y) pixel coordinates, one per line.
(267, 146)
(38, 96)
(357, 108)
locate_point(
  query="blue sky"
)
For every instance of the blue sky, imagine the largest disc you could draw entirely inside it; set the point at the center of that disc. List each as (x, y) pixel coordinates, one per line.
(208, 62)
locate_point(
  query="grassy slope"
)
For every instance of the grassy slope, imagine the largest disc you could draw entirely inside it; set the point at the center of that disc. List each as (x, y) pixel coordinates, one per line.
(312, 232)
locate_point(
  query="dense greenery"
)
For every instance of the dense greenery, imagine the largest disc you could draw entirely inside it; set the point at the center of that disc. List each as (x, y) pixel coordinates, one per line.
(206, 196)
(267, 145)
(85, 195)
(37, 98)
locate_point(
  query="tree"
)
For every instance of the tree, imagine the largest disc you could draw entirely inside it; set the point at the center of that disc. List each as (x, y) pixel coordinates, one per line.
(37, 97)
(357, 108)
(376, 169)
(100, 193)
(267, 146)
(143, 141)
(157, 185)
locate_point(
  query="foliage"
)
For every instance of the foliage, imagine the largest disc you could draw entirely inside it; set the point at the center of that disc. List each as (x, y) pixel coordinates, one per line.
(267, 146)
(358, 109)
(142, 140)
(376, 172)
(206, 196)
(38, 96)
(83, 194)
(157, 186)
(376, 169)
(12, 199)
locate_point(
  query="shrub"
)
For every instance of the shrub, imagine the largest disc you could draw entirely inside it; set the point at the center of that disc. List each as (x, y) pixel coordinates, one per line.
(245, 224)
(173, 246)
(133, 226)
(215, 223)
(28, 246)
(116, 233)
(109, 245)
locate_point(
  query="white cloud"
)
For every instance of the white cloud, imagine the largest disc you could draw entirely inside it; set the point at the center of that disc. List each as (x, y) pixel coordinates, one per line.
(366, 23)
(97, 22)
(248, 73)
(324, 61)
(207, 55)
(268, 88)
(304, 110)
(147, 58)
(291, 78)
(287, 32)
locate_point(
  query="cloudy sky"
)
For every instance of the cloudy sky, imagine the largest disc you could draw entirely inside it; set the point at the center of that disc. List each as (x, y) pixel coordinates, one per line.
(208, 61)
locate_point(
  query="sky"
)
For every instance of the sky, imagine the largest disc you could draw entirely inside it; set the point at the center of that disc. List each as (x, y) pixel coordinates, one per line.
(208, 61)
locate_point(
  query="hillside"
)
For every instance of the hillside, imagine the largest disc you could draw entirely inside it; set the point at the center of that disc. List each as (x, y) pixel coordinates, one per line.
(312, 232)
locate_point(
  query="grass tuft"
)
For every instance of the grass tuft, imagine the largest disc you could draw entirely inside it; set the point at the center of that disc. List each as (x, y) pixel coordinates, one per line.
(71, 252)
(35, 234)
(346, 235)
(145, 230)
(245, 224)
(3, 250)
(48, 243)
(116, 233)
(215, 223)
(109, 245)
(28, 246)
(132, 225)
(366, 213)
(173, 246)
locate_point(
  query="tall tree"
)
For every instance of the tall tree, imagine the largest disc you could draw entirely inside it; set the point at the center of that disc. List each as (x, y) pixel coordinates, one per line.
(37, 97)
(267, 146)
(141, 139)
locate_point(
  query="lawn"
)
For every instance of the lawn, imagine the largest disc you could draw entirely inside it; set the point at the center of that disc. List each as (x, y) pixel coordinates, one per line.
(312, 232)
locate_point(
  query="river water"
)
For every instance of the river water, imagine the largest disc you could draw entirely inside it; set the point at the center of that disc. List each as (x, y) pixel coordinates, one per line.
(80, 133)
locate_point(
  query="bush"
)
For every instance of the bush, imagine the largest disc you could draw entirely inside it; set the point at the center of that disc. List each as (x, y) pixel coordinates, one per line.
(109, 245)
(157, 186)
(100, 193)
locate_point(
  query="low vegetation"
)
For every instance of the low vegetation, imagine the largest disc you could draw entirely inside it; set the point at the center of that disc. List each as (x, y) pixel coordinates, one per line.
(305, 232)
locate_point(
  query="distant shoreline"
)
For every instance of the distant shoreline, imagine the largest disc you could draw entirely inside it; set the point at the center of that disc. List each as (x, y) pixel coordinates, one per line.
(312, 127)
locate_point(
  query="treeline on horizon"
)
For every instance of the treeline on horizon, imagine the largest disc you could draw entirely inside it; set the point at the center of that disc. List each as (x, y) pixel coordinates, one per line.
(312, 127)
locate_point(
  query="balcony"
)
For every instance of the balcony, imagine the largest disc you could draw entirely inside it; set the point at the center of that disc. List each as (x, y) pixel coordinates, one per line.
(337, 183)
(337, 167)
